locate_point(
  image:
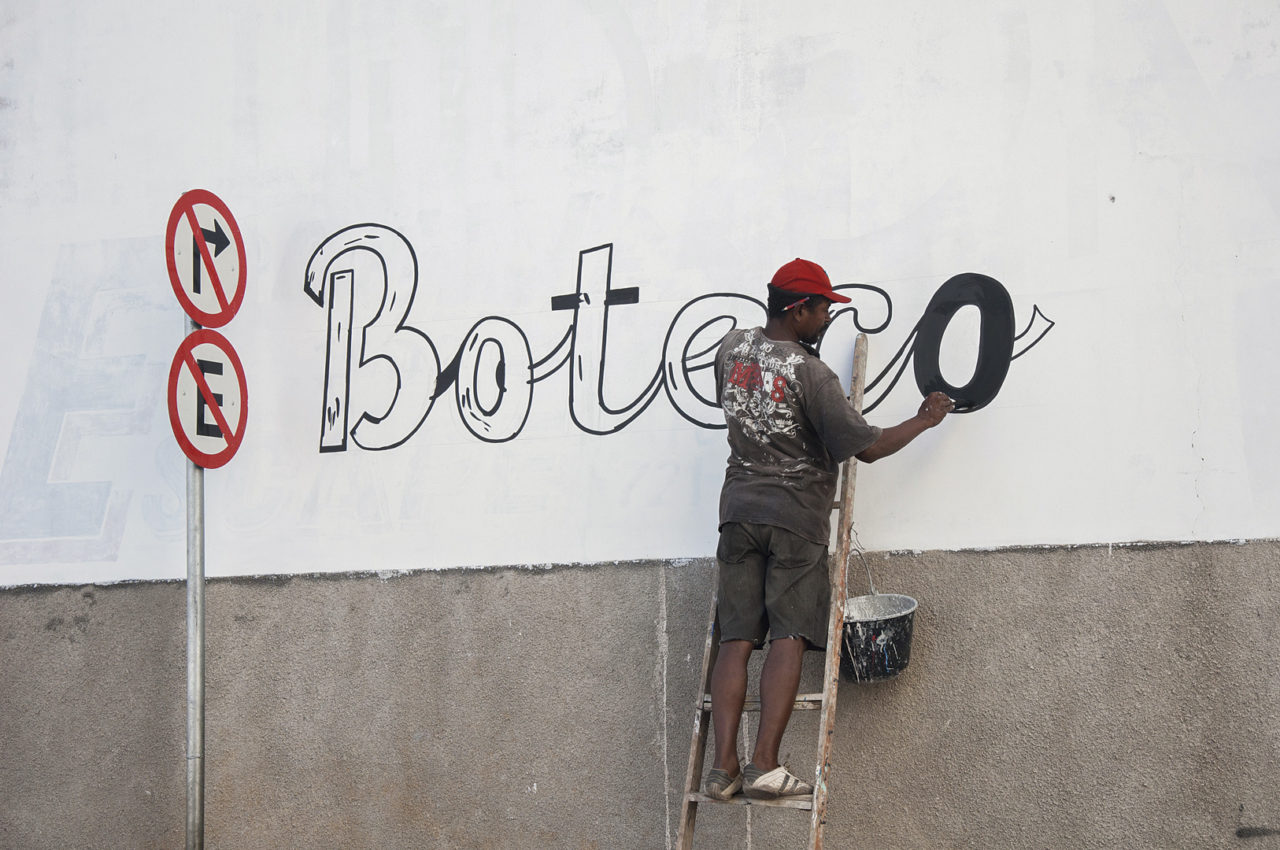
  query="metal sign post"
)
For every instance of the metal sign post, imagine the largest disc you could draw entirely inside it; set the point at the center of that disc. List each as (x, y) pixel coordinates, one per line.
(209, 282)
(195, 655)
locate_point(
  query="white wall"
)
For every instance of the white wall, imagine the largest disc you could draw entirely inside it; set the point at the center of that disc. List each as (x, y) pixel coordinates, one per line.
(1114, 166)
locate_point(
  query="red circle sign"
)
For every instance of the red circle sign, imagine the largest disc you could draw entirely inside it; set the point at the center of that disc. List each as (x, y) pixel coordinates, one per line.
(207, 278)
(208, 398)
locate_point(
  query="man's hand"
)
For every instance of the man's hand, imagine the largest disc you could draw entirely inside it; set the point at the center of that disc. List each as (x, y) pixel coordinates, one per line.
(935, 408)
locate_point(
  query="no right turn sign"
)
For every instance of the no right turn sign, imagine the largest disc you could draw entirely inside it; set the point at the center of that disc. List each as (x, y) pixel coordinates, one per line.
(205, 255)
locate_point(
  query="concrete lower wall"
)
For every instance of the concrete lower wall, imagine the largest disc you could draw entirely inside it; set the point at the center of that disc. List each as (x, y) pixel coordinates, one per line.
(1056, 698)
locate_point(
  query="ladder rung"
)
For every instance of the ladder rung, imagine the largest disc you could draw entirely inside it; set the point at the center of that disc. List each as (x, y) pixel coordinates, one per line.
(805, 802)
(804, 702)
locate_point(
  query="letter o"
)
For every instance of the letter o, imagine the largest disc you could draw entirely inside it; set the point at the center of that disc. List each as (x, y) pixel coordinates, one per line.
(510, 383)
(995, 339)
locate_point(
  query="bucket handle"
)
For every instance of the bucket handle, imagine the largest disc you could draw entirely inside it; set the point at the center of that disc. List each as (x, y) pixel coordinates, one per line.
(857, 548)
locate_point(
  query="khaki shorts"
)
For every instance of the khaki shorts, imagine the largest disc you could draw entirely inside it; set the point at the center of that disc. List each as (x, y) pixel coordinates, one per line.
(772, 583)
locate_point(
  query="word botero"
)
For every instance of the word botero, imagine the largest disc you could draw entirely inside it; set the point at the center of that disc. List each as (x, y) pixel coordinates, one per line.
(382, 376)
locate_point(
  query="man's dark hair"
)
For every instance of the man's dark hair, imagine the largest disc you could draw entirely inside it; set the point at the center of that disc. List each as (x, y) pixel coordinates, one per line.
(781, 299)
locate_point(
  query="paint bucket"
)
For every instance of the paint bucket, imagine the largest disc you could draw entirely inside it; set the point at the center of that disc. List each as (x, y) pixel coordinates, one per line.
(877, 636)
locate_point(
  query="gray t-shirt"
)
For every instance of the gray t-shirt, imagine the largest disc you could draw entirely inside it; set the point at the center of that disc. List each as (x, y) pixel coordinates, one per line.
(790, 426)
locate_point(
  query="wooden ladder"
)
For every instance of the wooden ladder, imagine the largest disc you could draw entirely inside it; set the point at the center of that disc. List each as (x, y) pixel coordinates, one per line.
(825, 701)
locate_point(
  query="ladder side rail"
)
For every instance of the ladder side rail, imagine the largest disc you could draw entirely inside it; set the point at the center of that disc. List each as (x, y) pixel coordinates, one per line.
(701, 725)
(835, 620)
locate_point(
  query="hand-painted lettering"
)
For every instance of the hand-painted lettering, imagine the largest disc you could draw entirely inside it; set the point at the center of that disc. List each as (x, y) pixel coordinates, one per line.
(366, 276)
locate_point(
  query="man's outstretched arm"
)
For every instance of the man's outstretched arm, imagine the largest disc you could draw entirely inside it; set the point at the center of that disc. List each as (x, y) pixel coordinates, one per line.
(933, 410)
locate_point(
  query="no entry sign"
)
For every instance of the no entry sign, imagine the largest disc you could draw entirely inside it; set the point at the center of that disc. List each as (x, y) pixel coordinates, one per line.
(205, 254)
(208, 398)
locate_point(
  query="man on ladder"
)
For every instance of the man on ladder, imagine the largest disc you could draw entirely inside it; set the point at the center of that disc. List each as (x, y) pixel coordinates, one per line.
(790, 426)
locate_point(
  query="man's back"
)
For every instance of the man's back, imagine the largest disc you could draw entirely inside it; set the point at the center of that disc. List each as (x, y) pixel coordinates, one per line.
(789, 426)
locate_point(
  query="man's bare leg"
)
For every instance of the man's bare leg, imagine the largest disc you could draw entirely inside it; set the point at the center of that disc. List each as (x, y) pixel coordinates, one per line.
(779, 683)
(728, 694)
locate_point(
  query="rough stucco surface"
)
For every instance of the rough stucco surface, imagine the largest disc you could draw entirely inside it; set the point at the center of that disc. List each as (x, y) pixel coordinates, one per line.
(1082, 697)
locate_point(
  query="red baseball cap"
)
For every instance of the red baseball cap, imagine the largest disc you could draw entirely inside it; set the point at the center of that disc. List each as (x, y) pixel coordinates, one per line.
(807, 278)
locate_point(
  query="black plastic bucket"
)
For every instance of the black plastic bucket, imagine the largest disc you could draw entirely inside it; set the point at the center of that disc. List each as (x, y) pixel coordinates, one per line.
(877, 636)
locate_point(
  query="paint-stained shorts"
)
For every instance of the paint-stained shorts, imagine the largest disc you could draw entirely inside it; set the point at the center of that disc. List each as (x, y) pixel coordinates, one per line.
(772, 582)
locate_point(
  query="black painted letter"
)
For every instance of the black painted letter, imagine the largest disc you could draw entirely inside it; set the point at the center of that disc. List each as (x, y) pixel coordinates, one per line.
(995, 341)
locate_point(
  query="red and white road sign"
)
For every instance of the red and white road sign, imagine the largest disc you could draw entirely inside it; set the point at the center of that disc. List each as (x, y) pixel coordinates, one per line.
(208, 398)
(205, 253)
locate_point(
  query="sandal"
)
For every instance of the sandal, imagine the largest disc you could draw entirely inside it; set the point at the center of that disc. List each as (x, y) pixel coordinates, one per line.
(720, 787)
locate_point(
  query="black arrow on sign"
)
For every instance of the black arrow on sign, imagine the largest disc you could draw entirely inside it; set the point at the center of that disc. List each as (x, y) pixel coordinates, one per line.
(217, 239)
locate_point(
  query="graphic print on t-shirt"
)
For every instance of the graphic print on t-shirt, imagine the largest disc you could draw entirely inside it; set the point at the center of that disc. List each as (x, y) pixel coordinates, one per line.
(755, 388)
